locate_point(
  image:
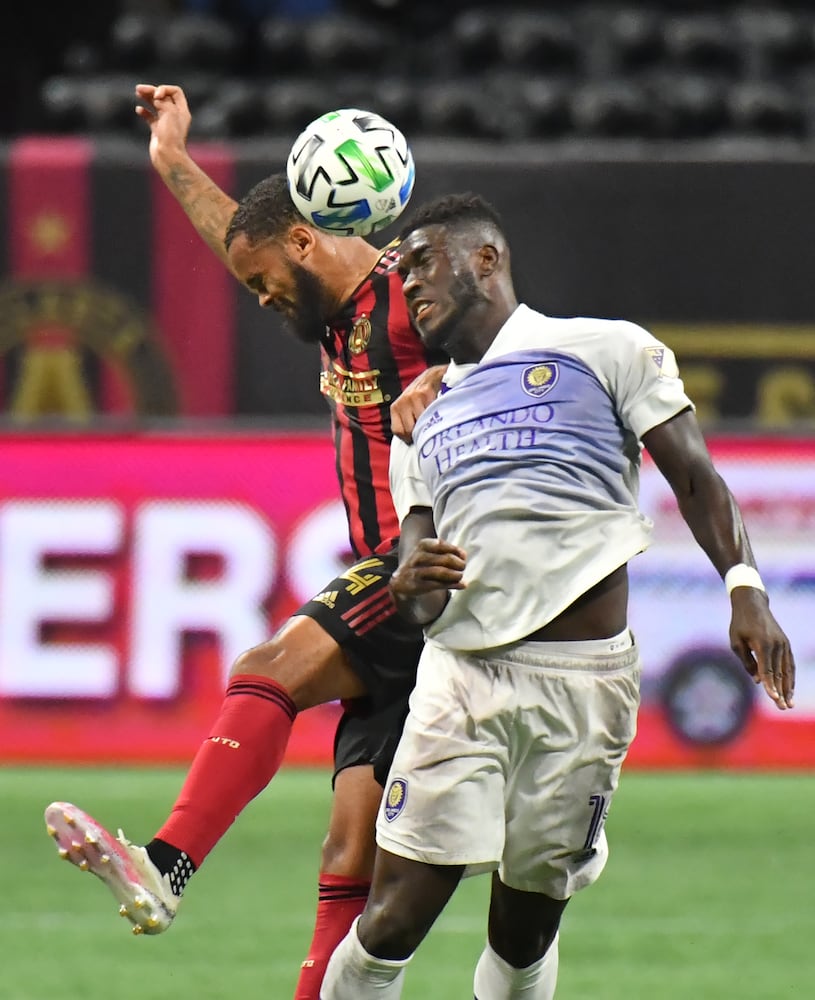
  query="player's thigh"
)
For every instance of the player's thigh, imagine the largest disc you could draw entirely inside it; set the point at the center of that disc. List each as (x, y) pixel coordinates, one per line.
(405, 899)
(346, 642)
(307, 661)
(363, 749)
(356, 609)
(369, 736)
(350, 843)
(574, 731)
(444, 798)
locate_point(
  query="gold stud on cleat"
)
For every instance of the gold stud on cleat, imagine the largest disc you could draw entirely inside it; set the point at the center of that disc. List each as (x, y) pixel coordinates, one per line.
(63, 853)
(83, 865)
(75, 845)
(69, 819)
(105, 859)
(138, 903)
(153, 922)
(123, 911)
(52, 830)
(90, 839)
(138, 930)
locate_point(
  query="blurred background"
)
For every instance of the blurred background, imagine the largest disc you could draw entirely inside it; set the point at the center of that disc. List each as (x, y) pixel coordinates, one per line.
(168, 489)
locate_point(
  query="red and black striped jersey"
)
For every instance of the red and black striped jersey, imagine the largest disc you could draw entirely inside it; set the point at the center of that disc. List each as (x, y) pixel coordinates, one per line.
(370, 353)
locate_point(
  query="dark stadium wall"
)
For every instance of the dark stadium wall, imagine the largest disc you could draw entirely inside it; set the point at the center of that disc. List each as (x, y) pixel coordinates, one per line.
(715, 255)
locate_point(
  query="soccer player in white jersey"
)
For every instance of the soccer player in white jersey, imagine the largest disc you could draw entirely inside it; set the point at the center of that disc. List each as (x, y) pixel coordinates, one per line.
(528, 687)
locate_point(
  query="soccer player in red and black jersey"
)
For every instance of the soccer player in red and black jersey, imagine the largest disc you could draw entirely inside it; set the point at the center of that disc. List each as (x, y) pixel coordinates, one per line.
(347, 643)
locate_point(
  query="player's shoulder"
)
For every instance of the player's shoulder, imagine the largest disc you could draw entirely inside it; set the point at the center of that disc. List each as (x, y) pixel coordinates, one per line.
(606, 335)
(610, 327)
(389, 259)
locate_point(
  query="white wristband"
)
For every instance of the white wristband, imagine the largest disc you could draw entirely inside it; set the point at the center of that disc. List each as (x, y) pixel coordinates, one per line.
(742, 575)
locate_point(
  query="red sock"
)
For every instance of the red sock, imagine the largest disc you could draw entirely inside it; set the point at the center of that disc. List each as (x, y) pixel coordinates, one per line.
(341, 900)
(234, 764)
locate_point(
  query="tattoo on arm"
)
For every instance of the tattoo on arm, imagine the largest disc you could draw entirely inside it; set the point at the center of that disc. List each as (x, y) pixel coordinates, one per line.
(206, 205)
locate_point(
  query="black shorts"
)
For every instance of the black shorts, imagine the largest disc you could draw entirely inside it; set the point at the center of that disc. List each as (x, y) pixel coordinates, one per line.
(368, 737)
(357, 611)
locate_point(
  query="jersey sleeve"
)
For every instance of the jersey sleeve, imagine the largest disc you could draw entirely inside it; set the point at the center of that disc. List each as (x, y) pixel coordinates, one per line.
(647, 387)
(408, 489)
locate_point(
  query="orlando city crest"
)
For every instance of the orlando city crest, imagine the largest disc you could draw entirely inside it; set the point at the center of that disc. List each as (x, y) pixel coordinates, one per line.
(360, 335)
(395, 799)
(539, 379)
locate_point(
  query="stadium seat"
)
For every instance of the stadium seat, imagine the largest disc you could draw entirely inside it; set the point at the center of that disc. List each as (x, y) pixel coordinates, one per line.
(394, 97)
(473, 37)
(542, 42)
(766, 109)
(690, 106)
(280, 47)
(342, 44)
(615, 109)
(635, 39)
(287, 106)
(62, 103)
(702, 42)
(457, 109)
(776, 42)
(81, 59)
(535, 107)
(197, 41)
(231, 111)
(133, 43)
(108, 102)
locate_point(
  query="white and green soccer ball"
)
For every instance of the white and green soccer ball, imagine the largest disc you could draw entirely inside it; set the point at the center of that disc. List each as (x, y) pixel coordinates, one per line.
(350, 172)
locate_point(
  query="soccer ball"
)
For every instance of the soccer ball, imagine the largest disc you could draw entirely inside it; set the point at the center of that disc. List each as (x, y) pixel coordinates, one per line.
(350, 172)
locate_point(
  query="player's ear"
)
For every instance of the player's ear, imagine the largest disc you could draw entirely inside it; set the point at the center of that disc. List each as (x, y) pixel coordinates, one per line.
(488, 257)
(302, 240)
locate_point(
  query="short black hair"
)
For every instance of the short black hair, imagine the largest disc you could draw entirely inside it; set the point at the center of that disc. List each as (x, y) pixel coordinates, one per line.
(458, 209)
(265, 212)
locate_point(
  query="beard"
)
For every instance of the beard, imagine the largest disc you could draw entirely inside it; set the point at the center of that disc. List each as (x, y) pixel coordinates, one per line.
(454, 335)
(307, 322)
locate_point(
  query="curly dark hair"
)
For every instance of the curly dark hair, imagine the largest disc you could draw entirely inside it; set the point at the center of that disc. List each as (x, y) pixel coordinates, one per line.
(455, 209)
(265, 212)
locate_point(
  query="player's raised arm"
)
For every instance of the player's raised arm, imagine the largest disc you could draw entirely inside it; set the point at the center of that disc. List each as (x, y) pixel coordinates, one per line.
(710, 510)
(210, 209)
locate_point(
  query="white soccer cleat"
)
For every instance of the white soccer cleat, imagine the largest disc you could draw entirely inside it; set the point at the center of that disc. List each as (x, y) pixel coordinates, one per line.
(144, 894)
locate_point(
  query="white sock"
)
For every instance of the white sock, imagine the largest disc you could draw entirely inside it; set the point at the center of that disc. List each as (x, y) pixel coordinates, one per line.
(353, 974)
(496, 979)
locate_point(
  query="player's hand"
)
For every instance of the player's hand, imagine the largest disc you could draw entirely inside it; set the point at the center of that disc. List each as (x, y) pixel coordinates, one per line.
(165, 110)
(433, 565)
(414, 400)
(761, 645)
(421, 585)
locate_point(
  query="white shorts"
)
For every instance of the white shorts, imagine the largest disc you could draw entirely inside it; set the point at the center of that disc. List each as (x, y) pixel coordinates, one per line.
(509, 762)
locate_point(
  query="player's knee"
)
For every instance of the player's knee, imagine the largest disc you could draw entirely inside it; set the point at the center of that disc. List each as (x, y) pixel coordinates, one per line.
(521, 953)
(349, 853)
(388, 929)
(261, 660)
(522, 943)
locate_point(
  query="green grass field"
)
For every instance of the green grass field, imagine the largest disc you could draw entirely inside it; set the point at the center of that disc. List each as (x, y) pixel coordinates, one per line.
(709, 894)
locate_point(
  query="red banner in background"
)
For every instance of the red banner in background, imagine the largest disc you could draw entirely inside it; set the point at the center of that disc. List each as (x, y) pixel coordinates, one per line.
(152, 337)
(194, 296)
(134, 569)
(49, 191)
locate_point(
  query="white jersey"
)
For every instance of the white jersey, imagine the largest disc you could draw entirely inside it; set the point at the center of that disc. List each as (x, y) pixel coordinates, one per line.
(530, 463)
